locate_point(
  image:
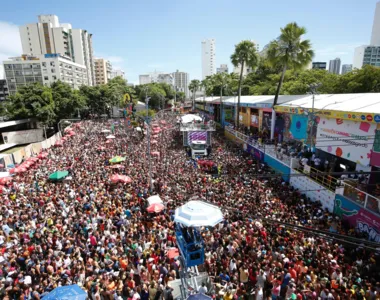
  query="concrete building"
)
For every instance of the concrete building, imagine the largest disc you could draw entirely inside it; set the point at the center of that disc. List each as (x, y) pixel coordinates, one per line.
(208, 58)
(47, 68)
(366, 55)
(4, 92)
(165, 78)
(319, 65)
(116, 73)
(145, 79)
(48, 36)
(222, 69)
(181, 82)
(103, 70)
(334, 66)
(375, 36)
(346, 68)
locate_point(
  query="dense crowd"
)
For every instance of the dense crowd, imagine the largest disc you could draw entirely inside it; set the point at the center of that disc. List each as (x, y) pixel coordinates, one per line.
(89, 231)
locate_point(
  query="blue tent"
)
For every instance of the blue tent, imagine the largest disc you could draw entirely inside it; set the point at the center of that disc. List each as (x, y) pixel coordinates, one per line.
(199, 297)
(68, 292)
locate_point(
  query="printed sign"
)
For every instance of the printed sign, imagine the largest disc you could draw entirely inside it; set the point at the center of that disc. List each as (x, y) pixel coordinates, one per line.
(347, 139)
(358, 217)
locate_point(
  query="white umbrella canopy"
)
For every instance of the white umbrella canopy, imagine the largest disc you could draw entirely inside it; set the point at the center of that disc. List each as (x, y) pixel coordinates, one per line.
(154, 199)
(138, 129)
(197, 213)
(110, 137)
(106, 130)
(190, 118)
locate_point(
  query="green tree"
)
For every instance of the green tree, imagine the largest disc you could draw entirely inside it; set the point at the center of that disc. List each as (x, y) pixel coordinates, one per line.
(32, 101)
(67, 102)
(194, 87)
(289, 50)
(155, 92)
(245, 55)
(181, 96)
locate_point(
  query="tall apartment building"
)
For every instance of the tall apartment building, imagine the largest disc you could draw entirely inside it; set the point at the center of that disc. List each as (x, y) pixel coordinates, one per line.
(346, 68)
(103, 70)
(4, 93)
(369, 54)
(208, 58)
(366, 55)
(116, 73)
(157, 77)
(319, 65)
(48, 36)
(375, 36)
(45, 69)
(222, 69)
(334, 66)
(181, 82)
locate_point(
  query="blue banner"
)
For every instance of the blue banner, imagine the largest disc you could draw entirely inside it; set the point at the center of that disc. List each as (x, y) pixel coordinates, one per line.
(298, 127)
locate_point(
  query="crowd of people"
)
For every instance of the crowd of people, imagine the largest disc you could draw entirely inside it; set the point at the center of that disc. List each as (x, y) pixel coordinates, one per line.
(89, 231)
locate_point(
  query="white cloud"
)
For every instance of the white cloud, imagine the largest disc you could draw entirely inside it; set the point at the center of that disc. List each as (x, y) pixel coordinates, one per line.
(10, 43)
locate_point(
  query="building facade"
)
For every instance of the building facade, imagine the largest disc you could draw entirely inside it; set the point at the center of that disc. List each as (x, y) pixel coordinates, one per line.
(145, 79)
(45, 69)
(48, 36)
(4, 92)
(346, 68)
(103, 70)
(181, 82)
(334, 66)
(366, 55)
(208, 58)
(116, 73)
(375, 36)
(222, 69)
(319, 65)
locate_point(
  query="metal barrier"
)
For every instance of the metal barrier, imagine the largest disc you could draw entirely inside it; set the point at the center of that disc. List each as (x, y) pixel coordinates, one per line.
(328, 181)
(368, 201)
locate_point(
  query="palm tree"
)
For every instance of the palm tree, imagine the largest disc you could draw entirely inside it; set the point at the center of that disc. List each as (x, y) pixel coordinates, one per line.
(194, 87)
(288, 51)
(245, 55)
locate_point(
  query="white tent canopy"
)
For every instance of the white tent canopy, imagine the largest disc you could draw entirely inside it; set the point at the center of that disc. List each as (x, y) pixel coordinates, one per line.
(110, 137)
(154, 199)
(190, 118)
(197, 213)
(106, 130)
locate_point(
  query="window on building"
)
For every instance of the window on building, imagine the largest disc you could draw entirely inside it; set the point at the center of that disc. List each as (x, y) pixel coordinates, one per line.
(31, 50)
(46, 78)
(44, 64)
(54, 77)
(53, 70)
(52, 63)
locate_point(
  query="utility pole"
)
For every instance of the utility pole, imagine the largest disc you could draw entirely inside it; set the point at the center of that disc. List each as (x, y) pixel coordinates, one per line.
(313, 90)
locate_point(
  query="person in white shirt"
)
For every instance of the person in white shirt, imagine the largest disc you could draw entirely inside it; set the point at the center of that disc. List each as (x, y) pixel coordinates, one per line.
(203, 289)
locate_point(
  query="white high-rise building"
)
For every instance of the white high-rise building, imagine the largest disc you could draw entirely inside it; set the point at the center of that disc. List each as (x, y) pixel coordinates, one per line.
(208, 58)
(48, 36)
(366, 55)
(145, 79)
(181, 82)
(375, 36)
(116, 73)
(222, 69)
(45, 69)
(334, 66)
(346, 68)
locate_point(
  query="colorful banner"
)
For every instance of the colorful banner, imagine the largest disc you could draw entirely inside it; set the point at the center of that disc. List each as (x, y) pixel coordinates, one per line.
(267, 121)
(298, 127)
(344, 115)
(358, 217)
(375, 155)
(197, 136)
(255, 120)
(347, 139)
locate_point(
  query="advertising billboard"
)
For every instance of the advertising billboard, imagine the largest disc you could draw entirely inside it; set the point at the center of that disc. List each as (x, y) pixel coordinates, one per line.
(351, 140)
